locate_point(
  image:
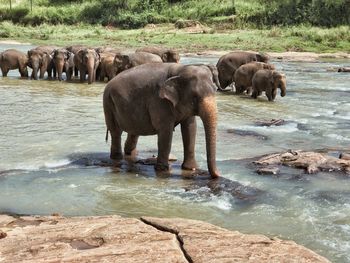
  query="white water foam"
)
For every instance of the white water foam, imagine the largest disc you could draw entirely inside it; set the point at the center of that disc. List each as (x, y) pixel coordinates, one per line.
(338, 137)
(57, 163)
(288, 128)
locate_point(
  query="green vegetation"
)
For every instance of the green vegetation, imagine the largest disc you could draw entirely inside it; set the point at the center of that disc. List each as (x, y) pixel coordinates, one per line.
(138, 13)
(266, 25)
(298, 38)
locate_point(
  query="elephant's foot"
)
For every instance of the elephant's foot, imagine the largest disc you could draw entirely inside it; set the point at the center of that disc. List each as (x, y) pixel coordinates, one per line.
(116, 155)
(132, 152)
(189, 165)
(161, 167)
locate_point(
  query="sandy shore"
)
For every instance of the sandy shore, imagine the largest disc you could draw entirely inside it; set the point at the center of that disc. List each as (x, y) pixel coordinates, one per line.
(287, 56)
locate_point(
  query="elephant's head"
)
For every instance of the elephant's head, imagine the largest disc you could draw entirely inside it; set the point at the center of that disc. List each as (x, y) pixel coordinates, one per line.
(38, 60)
(278, 81)
(60, 58)
(170, 56)
(192, 93)
(89, 59)
(121, 62)
(262, 57)
(268, 66)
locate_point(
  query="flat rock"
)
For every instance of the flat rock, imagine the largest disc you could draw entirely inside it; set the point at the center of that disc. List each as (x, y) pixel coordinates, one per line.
(204, 242)
(312, 162)
(117, 239)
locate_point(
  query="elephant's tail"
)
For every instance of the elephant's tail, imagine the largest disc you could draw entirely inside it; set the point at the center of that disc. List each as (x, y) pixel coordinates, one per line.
(106, 135)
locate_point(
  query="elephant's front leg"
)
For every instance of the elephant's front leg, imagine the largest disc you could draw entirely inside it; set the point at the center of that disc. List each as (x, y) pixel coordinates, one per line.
(165, 136)
(188, 131)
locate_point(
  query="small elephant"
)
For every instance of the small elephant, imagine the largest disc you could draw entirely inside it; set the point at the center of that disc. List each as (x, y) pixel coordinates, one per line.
(153, 99)
(268, 81)
(40, 59)
(106, 67)
(125, 61)
(167, 55)
(244, 74)
(87, 61)
(64, 62)
(229, 63)
(344, 69)
(13, 59)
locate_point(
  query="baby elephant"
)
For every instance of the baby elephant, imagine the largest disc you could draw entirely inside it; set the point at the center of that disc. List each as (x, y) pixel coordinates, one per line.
(268, 81)
(244, 74)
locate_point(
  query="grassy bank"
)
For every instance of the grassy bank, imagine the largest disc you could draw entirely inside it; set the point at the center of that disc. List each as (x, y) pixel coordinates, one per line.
(276, 39)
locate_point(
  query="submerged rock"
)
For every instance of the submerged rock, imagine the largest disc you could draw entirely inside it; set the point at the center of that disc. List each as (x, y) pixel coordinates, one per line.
(268, 170)
(312, 162)
(117, 239)
(247, 134)
(275, 122)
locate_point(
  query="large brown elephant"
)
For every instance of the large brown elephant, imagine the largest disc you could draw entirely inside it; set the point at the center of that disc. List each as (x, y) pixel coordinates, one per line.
(153, 99)
(244, 74)
(40, 59)
(229, 63)
(268, 81)
(13, 59)
(125, 61)
(167, 55)
(63, 61)
(87, 61)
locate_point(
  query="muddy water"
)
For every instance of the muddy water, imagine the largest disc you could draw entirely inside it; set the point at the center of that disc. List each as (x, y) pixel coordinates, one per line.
(52, 133)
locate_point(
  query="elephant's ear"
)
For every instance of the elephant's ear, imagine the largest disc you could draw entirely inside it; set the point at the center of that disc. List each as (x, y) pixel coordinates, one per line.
(168, 90)
(29, 53)
(126, 61)
(165, 56)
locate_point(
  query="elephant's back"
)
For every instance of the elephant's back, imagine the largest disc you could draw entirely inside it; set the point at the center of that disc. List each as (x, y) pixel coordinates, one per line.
(261, 77)
(140, 58)
(138, 80)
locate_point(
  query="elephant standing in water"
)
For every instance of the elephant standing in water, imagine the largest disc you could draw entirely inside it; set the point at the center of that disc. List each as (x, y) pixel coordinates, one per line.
(153, 99)
(63, 61)
(87, 61)
(268, 81)
(40, 59)
(125, 61)
(245, 73)
(13, 59)
(229, 63)
(167, 55)
(106, 67)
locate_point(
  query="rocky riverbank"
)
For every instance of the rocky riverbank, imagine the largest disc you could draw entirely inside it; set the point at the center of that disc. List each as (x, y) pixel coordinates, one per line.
(116, 239)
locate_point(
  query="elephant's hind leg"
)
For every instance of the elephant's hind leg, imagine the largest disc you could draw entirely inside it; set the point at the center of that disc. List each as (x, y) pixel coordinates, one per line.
(113, 128)
(130, 144)
(4, 71)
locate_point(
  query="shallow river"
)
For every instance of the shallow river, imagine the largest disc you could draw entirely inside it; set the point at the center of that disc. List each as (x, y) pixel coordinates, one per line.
(46, 126)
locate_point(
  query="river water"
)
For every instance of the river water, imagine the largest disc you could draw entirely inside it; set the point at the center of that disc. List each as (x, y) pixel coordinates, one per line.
(46, 126)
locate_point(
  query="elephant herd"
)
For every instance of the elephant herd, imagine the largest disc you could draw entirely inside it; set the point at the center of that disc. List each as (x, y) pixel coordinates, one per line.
(149, 92)
(250, 72)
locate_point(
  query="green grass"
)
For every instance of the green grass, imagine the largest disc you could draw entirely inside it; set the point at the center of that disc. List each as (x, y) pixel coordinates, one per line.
(297, 38)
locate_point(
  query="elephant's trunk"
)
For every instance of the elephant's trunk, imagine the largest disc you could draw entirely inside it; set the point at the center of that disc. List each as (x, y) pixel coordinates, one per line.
(35, 67)
(59, 67)
(90, 69)
(207, 112)
(283, 88)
